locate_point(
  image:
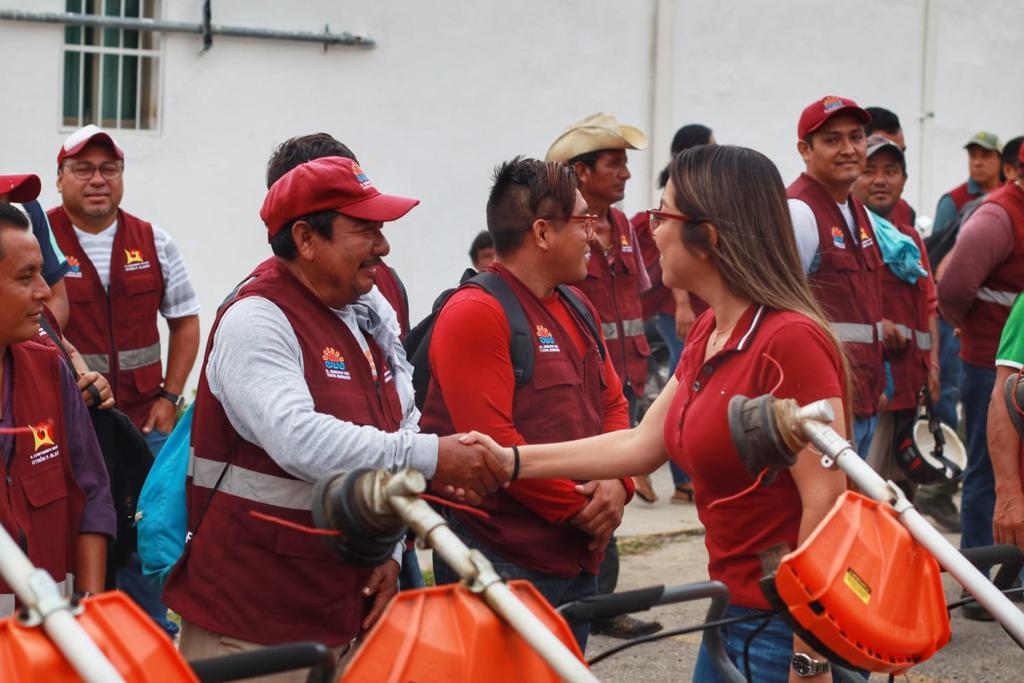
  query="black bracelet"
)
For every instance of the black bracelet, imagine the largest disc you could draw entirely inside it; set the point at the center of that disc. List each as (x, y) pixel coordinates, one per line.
(515, 466)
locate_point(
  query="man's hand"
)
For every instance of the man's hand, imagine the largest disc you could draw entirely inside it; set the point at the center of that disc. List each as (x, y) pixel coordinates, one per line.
(892, 338)
(1008, 519)
(602, 514)
(882, 402)
(383, 582)
(934, 385)
(469, 471)
(101, 385)
(161, 417)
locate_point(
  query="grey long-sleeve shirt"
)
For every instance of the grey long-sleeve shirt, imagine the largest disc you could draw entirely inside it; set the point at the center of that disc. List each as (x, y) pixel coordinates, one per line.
(984, 242)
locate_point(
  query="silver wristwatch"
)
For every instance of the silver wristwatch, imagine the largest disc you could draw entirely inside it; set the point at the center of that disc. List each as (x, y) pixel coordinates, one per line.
(804, 666)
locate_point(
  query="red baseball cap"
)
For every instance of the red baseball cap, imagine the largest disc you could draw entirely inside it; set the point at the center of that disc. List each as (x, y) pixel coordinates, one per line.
(20, 188)
(77, 141)
(820, 111)
(326, 184)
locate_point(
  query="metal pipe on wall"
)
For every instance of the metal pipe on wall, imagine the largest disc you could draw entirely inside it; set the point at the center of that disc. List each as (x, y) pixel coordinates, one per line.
(662, 56)
(69, 19)
(926, 118)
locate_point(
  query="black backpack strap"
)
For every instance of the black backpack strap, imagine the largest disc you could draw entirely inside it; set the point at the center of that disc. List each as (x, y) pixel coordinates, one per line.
(520, 344)
(584, 313)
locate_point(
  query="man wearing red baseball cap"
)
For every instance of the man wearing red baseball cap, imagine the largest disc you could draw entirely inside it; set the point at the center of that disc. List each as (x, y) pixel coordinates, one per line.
(302, 378)
(838, 248)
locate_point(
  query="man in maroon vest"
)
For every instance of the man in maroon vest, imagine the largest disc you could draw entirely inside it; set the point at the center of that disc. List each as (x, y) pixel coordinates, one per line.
(909, 305)
(886, 123)
(984, 276)
(983, 164)
(301, 378)
(55, 498)
(551, 532)
(124, 272)
(838, 248)
(596, 147)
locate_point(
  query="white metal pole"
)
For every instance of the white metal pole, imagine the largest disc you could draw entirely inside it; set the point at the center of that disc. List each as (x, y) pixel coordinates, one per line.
(37, 589)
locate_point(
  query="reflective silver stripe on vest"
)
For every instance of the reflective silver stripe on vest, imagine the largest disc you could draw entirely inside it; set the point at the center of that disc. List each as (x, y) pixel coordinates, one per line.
(996, 297)
(133, 359)
(100, 362)
(258, 487)
(633, 327)
(7, 600)
(922, 340)
(880, 330)
(855, 333)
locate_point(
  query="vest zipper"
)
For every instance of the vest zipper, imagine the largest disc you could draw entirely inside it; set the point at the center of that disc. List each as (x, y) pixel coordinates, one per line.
(622, 330)
(22, 539)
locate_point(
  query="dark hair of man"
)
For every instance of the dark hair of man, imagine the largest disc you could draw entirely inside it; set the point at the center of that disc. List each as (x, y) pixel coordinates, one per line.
(299, 150)
(283, 245)
(1011, 152)
(525, 190)
(483, 240)
(11, 217)
(588, 159)
(686, 137)
(883, 120)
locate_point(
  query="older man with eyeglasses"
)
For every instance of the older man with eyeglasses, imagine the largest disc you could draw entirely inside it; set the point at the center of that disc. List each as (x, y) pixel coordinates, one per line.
(123, 273)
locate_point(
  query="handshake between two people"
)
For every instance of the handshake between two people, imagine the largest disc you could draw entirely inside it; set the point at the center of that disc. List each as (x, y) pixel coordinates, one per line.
(472, 466)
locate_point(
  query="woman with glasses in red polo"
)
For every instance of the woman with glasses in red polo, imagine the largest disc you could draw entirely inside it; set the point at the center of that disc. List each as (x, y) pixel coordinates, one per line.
(724, 233)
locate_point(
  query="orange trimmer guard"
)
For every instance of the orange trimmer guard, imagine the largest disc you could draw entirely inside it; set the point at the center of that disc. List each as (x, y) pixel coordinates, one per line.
(449, 634)
(137, 648)
(862, 591)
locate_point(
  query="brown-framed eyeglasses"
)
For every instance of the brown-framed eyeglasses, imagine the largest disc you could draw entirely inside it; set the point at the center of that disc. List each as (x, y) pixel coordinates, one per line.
(84, 170)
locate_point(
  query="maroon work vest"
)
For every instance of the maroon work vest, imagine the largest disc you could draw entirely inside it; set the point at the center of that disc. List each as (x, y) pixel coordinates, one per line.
(115, 330)
(391, 289)
(614, 290)
(906, 306)
(41, 503)
(247, 578)
(961, 195)
(848, 287)
(561, 402)
(902, 214)
(983, 324)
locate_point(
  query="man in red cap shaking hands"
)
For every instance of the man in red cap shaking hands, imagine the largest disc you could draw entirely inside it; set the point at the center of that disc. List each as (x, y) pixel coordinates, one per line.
(838, 248)
(302, 377)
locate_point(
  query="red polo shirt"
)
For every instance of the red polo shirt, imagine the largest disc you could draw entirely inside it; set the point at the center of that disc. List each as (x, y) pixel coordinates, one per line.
(766, 520)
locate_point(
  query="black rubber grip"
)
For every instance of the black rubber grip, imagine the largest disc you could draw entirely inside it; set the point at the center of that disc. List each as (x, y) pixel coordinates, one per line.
(268, 660)
(1009, 557)
(612, 604)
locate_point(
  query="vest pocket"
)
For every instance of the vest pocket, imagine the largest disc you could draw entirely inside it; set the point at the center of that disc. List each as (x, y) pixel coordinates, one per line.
(45, 487)
(552, 373)
(139, 283)
(148, 378)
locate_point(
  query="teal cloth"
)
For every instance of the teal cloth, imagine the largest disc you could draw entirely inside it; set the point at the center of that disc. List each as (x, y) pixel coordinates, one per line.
(899, 251)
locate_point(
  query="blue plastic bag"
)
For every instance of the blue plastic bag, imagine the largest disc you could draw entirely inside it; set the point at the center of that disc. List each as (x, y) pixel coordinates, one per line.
(162, 516)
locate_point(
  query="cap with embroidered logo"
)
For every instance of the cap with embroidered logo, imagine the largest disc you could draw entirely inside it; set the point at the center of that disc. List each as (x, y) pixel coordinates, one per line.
(20, 188)
(329, 184)
(985, 140)
(817, 113)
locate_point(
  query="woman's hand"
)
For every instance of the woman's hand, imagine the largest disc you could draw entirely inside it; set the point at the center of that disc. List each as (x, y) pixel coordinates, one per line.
(505, 456)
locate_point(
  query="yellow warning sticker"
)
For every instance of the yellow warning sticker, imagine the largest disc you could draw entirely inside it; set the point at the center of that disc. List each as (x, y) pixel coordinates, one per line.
(857, 585)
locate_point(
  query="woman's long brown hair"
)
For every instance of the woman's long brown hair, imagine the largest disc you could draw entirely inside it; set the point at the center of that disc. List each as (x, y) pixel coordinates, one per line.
(739, 191)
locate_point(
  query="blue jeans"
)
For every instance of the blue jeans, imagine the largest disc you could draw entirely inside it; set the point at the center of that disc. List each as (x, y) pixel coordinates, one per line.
(949, 376)
(666, 325)
(144, 593)
(863, 432)
(155, 440)
(411, 576)
(770, 654)
(979, 493)
(556, 590)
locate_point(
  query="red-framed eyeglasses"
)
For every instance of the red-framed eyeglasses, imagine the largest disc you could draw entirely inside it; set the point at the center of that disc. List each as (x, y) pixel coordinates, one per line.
(656, 217)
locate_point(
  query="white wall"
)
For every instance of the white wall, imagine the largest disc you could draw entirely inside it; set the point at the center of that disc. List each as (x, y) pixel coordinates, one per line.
(455, 87)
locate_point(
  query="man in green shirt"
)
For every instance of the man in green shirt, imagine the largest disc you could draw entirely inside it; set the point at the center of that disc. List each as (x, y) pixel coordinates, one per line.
(1003, 440)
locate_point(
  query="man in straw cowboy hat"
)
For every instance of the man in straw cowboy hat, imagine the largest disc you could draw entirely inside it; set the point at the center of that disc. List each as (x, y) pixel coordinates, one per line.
(596, 149)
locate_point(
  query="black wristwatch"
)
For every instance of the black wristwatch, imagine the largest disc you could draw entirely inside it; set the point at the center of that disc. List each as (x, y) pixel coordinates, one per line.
(804, 666)
(176, 399)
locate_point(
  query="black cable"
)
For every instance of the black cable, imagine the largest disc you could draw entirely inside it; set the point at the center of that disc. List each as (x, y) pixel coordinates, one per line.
(970, 598)
(746, 648)
(677, 632)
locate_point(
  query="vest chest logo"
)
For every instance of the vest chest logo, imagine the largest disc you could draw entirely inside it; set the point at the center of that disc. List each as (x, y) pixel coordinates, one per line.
(837, 238)
(624, 246)
(43, 445)
(75, 267)
(865, 239)
(334, 364)
(133, 260)
(546, 340)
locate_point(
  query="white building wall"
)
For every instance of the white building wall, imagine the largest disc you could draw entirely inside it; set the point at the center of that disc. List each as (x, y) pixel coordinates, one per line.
(455, 87)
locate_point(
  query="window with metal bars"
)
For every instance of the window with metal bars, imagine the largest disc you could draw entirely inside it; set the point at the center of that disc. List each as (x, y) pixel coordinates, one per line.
(111, 75)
